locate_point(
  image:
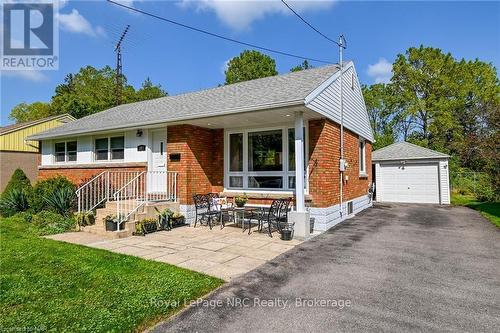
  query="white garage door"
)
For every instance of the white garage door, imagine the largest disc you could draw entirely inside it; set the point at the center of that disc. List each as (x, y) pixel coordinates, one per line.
(417, 183)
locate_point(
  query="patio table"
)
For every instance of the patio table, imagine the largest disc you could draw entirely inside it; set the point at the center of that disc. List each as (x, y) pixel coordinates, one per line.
(239, 215)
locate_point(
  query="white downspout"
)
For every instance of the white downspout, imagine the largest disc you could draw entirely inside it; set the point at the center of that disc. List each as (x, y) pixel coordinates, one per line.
(341, 162)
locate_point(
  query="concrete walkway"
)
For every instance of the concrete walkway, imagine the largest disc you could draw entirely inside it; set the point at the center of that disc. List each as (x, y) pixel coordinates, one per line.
(224, 253)
(399, 268)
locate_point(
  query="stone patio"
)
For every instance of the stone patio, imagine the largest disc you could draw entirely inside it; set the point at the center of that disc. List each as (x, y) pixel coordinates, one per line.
(224, 253)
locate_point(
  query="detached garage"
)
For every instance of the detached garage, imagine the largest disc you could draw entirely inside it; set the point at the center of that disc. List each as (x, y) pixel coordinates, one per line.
(405, 172)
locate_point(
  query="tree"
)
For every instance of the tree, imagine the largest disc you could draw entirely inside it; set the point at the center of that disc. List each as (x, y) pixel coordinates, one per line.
(27, 112)
(304, 65)
(250, 65)
(381, 113)
(149, 91)
(89, 91)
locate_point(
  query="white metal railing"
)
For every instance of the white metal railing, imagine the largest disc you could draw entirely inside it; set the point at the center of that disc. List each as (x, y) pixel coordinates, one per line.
(130, 197)
(146, 187)
(161, 186)
(101, 188)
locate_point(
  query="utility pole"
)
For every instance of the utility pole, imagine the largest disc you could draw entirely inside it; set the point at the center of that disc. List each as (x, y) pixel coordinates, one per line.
(119, 75)
(342, 163)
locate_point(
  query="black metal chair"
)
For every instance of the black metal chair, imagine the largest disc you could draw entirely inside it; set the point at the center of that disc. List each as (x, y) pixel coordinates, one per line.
(275, 215)
(223, 212)
(202, 203)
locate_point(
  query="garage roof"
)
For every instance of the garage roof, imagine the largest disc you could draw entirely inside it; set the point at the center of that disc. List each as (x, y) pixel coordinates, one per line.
(405, 151)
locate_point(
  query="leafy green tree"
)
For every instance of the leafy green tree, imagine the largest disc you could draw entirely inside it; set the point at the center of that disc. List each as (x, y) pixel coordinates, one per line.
(89, 91)
(27, 112)
(250, 65)
(381, 113)
(149, 91)
(304, 65)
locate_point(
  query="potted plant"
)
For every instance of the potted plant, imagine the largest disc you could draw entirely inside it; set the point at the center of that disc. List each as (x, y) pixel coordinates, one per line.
(241, 200)
(139, 230)
(164, 218)
(177, 220)
(149, 225)
(111, 222)
(84, 219)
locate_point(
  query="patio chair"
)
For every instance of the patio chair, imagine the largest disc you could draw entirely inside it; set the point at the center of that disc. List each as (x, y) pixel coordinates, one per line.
(223, 207)
(202, 203)
(276, 215)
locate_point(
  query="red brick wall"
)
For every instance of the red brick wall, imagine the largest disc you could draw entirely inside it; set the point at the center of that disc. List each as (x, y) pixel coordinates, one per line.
(324, 175)
(201, 168)
(79, 175)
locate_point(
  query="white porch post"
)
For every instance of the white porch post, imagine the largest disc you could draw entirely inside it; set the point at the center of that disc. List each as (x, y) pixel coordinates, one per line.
(300, 216)
(299, 162)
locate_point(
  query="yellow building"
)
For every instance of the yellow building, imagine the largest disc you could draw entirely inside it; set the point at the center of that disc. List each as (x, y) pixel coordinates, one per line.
(16, 152)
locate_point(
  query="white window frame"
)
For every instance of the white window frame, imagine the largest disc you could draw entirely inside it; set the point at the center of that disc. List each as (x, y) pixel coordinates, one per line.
(108, 137)
(362, 153)
(285, 173)
(66, 160)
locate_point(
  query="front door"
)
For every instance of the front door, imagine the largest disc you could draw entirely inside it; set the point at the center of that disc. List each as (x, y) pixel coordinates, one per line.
(157, 179)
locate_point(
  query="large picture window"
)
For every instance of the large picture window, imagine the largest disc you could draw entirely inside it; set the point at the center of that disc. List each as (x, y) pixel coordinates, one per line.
(65, 151)
(261, 159)
(111, 148)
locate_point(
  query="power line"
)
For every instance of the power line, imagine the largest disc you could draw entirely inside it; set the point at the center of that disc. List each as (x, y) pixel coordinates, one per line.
(217, 35)
(312, 27)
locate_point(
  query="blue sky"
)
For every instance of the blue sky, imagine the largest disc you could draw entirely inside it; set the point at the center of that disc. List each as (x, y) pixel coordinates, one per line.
(182, 60)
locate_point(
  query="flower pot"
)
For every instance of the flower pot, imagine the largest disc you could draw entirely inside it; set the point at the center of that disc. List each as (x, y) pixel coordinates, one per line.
(150, 227)
(240, 204)
(177, 222)
(112, 225)
(286, 235)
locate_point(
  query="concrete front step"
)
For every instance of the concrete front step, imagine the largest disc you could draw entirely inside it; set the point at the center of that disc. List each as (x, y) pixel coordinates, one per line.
(146, 211)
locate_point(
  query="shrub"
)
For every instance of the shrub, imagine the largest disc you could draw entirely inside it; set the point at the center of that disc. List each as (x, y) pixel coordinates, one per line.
(61, 200)
(25, 216)
(17, 181)
(14, 201)
(484, 190)
(84, 219)
(49, 223)
(44, 188)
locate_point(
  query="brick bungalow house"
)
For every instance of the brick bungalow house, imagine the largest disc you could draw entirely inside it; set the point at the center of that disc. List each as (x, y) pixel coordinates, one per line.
(260, 137)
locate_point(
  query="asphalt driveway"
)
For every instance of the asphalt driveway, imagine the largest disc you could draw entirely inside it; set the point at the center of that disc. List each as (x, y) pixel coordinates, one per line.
(391, 268)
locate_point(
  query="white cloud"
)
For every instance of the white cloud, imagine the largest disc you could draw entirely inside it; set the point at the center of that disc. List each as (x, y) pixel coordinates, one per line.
(29, 75)
(75, 22)
(224, 66)
(239, 14)
(381, 72)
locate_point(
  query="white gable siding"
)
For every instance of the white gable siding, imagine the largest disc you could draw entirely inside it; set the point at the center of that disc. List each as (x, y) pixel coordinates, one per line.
(326, 101)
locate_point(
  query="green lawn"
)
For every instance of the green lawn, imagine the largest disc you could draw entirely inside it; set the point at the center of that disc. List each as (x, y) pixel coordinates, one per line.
(490, 210)
(55, 286)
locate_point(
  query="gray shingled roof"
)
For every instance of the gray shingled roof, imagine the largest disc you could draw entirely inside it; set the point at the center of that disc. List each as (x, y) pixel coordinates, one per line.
(269, 92)
(405, 151)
